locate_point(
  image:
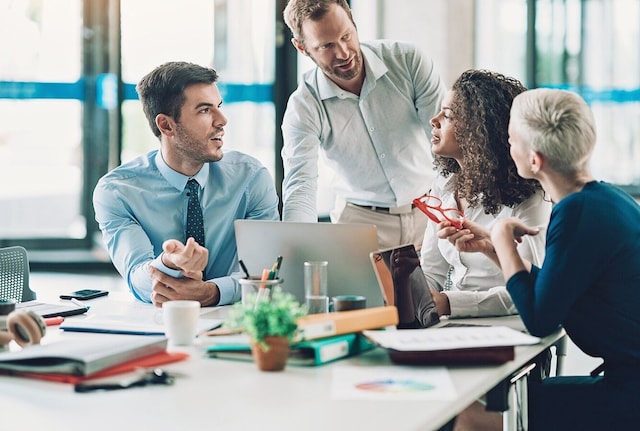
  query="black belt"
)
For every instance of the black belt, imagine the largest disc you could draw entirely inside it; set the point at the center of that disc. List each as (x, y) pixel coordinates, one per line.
(376, 208)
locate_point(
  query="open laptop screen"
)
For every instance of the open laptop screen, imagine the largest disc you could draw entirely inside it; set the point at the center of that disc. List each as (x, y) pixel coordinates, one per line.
(345, 246)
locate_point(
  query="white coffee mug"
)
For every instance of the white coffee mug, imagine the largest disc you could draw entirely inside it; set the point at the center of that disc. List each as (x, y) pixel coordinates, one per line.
(181, 321)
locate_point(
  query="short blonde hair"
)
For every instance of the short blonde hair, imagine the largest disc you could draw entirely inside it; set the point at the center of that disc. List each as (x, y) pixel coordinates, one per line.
(557, 124)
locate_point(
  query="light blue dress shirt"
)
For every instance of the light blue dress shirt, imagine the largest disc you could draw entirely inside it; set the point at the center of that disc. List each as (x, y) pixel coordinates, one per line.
(378, 144)
(143, 203)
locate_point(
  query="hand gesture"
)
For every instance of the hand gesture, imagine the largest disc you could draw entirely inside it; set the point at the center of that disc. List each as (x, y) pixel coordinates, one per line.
(402, 263)
(512, 229)
(167, 288)
(470, 239)
(190, 258)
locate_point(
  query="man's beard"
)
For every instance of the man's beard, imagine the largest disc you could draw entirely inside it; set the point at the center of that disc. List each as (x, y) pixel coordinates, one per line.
(334, 72)
(190, 146)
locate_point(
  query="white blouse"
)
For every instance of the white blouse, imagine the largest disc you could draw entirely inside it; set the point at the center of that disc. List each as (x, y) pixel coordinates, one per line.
(477, 286)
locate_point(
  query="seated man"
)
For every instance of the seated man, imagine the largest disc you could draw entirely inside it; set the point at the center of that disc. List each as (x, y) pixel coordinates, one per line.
(167, 217)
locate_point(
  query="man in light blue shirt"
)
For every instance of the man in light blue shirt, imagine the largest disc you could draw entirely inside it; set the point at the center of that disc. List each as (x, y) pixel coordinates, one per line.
(141, 206)
(367, 107)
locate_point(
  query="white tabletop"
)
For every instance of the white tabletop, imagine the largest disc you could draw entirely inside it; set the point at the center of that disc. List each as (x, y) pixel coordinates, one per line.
(230, 395)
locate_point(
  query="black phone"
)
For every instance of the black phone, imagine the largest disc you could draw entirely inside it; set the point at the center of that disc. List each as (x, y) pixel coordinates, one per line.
(85, 294)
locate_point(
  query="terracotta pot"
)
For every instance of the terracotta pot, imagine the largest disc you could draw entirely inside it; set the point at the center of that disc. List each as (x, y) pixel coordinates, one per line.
(275, 358)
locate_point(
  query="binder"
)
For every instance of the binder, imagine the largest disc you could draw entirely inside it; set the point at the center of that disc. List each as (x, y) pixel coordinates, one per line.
(305, 353)
(314, 326)
(473, 356)
(473, 345)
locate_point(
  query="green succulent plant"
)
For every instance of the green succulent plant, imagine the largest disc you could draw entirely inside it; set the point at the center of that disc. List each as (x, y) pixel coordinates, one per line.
(260, 318)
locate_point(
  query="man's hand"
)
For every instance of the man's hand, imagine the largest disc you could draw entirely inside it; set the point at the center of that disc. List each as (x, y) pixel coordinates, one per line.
(167, 288)
(190, 258)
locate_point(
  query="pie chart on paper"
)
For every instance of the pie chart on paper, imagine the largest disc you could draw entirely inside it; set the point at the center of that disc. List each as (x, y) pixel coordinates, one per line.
(395, 386)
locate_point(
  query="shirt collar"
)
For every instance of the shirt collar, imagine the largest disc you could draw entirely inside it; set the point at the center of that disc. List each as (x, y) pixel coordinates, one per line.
(374, 68)
(178, 180)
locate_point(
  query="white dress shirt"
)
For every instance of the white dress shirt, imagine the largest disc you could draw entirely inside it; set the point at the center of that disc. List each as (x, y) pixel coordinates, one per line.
(377, 144)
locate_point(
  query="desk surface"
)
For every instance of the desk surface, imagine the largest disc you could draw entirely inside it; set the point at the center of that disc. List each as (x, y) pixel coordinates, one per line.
(229, 395)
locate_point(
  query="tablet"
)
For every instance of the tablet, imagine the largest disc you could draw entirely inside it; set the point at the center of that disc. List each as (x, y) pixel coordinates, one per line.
(418, 311)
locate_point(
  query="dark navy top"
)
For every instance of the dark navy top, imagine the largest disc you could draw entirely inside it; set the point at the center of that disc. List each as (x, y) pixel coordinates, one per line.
(589, 282)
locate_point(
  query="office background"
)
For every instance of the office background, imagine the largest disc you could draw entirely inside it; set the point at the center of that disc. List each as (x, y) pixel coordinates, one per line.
(69, 110)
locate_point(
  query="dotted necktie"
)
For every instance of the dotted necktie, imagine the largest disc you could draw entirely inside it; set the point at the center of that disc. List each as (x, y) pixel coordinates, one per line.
(195, 224)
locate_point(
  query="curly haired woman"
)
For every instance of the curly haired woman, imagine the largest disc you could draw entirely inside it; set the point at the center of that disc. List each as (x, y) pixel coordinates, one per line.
(478, 177)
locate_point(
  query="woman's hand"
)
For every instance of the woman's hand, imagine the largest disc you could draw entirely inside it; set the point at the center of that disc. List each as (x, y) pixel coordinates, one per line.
(403, 262)
(512, 229)
(505, 235)
(471, 238)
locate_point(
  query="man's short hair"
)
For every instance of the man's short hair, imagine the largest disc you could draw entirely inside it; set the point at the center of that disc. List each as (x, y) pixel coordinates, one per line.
(161, 91)
(298, 11)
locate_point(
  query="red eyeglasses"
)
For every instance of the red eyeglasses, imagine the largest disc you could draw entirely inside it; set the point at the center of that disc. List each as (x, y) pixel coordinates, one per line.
(431, 206)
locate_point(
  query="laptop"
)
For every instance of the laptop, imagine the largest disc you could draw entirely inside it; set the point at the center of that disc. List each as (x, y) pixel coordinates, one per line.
(346, 246)
(45, 309)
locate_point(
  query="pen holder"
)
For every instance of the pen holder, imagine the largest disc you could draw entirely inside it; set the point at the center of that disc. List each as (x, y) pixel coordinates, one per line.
(254, 284)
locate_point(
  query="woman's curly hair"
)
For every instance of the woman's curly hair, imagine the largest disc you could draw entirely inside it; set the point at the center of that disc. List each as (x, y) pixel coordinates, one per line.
(480, 108)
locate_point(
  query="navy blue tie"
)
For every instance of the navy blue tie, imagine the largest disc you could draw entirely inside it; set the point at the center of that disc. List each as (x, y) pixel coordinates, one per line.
(195, 224)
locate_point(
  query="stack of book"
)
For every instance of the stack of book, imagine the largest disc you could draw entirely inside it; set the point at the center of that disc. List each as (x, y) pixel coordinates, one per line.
(77, 359)
(321, 338)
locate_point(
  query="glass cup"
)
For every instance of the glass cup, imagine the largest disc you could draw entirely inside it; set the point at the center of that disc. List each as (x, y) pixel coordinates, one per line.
(315, 286)
(251, 286)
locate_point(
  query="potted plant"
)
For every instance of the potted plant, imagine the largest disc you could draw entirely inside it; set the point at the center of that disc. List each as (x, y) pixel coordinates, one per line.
(271, 325)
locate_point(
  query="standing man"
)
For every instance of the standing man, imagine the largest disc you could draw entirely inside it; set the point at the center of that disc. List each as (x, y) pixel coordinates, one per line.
(367, 106)
(167, 217)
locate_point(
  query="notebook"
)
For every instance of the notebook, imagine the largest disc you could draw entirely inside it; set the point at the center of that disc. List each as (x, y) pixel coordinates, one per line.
(81, 356)
(45, 309)
(345, 246)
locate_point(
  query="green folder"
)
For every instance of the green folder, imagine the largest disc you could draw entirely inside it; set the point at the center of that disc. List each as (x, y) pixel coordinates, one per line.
(311, 352)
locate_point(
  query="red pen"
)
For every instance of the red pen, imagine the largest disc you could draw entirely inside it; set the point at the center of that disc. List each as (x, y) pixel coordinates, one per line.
(53, 321)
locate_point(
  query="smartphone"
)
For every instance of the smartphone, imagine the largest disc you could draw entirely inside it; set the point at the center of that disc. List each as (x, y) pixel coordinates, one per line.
(85, 294)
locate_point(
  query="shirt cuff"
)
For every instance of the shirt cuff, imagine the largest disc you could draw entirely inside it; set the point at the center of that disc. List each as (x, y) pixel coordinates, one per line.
(229, 290)
(157, 263)
(462, 304)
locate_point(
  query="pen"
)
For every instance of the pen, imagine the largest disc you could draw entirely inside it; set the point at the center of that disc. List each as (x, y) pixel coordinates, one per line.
(244, 268)
(263, 292)
(53, 321)
(265, 276)
(273, 274)
(79, 304)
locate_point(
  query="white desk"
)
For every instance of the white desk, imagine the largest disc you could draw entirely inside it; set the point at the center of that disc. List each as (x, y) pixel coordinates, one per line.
(227, 395)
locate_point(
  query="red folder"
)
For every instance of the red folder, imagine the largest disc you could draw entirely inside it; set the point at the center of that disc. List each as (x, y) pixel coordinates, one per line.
(151, 361)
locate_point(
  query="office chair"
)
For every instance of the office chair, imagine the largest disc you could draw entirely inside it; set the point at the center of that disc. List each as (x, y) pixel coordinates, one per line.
(14, 274)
